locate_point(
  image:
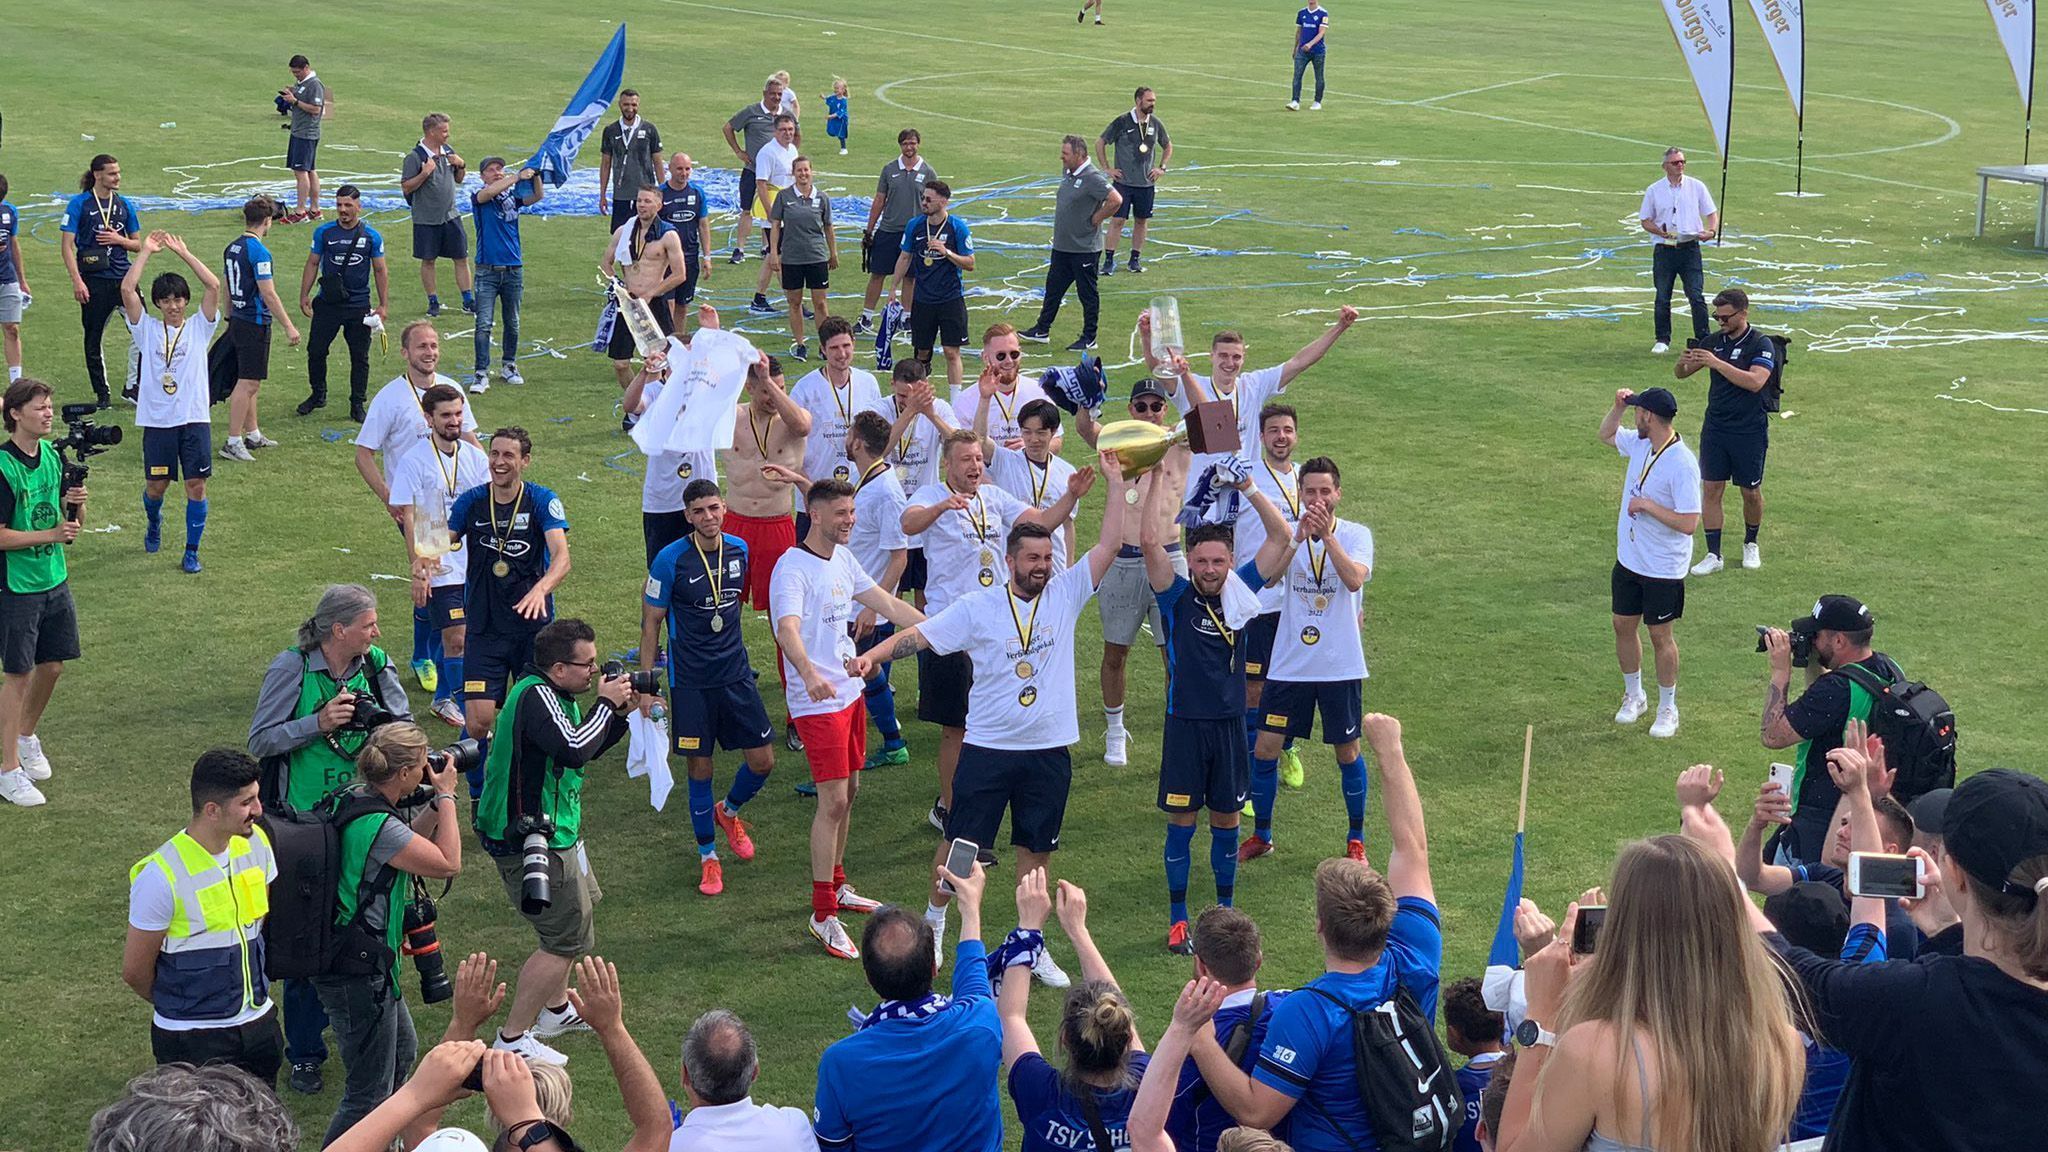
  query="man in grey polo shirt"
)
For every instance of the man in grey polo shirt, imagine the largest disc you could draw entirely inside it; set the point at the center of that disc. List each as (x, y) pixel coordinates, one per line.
(306, 101)
(630, 160)
(749, 129)
(898, 200)
(1086, 199)
(1142, 150)
(428, 179)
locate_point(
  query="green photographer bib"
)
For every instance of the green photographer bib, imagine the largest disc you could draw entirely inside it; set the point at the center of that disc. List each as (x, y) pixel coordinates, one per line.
(561, 788)
(34, 485)
(330, 760)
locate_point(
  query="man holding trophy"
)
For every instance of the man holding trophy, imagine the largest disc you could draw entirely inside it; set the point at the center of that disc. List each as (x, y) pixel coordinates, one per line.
(642, 262)
(424, 485)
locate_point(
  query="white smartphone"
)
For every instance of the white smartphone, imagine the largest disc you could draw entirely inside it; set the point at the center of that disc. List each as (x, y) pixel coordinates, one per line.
(1781, 775)
(1886, 876)
(959, 861)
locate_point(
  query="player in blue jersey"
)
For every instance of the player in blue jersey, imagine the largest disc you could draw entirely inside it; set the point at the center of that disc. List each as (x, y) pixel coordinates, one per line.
(252, 305)
(1311, 35)
(347, 255)
(684, 208)
(696, 584)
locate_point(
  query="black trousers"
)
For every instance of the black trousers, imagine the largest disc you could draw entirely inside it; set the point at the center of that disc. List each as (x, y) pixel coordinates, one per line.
(102, 301)
(1077, 270)
(1681, 263)
(348, 324)
(256, 1047)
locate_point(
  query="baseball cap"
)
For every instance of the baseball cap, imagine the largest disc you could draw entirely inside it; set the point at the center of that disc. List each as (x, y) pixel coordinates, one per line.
(1655, 401)
(1147, 386)
(1836, 614)
(1812, 915)
(452, 1140)
(1995, 822)
(1930, 811)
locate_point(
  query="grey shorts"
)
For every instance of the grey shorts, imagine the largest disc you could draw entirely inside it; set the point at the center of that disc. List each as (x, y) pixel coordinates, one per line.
(567, 927)
(1126, 598)
(10, 303)
(37, 628)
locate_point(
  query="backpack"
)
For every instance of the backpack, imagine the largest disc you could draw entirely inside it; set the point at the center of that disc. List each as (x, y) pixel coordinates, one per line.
(1240, 1043)
(1918, 728)
(1410, 1094)
(300, 936)
(1774, 388)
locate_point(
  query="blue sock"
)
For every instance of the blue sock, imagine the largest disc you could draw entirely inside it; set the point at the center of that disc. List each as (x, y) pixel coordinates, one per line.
(1251, 730)
(1178, 839)
(469, 299)
(476, 774)
(745, 783)
(700, 817)
(1353, 776)
(436, 650)
(1714, 541)
(433, 301)
(1265, 789)
(451, 679)
(881, 700)
(195, 523)
(1223, 862)
(154, 509)
(422, 635)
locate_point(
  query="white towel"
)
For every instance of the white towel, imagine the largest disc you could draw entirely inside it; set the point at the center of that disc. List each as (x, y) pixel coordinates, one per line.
(647, 755)
(622, 243)
(699, 403)
(1240, 603)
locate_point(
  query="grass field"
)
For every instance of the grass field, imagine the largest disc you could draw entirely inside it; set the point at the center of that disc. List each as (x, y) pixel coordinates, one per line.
(1471, 184)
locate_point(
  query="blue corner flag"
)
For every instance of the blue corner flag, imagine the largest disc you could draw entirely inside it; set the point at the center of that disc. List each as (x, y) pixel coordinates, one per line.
(580, 118)
(1505, 951)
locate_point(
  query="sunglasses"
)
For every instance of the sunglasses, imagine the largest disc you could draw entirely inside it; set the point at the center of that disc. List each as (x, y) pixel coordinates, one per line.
(1674, 163)
(1724, 317)
(1154, 406)
(1006, 355)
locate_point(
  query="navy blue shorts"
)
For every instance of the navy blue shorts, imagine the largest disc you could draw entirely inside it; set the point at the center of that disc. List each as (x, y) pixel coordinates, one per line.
(914, 572)
(1733, 456)
(1031, 786)
(747, 181)
(298, 154)
(731, 713)
(686, 292)
(1137, 201)
(942, 686)
(1258, 644)
(444, 607)
(168, 453)
(1204, 764)
(1288, 707)
(252, 349)
(797, 277)
(883, 252)
(444, 241)
(491, 660)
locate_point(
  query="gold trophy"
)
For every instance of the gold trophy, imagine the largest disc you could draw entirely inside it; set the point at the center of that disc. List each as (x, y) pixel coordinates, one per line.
(1140, 445)
(636, 315)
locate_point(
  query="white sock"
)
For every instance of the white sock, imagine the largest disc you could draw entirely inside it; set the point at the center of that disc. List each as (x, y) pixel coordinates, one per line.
(1114, 718)
(13, 373)
(1632, 683)
(235, 441)
(935, 915)
(1667, 698)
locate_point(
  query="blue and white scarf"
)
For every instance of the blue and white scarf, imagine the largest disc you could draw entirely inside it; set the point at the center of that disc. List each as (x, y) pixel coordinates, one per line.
(1083, 387)
(885, 336)
(1216, 499)
(1023, 946)
(609, 316)
(898, 1010)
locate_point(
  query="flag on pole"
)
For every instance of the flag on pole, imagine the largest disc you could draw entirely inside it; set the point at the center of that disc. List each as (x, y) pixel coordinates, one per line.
(1784, 27)
(1505, 950)
(557, 153)
(2015, 22)
(1706, 37)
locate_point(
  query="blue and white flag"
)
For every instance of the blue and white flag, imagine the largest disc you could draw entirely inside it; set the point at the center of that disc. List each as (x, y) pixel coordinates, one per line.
(557, 153)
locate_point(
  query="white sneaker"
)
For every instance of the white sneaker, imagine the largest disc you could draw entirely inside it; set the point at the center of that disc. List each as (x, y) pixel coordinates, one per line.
(1294, 105)
(1316, 107)
(33, 762)
(1632, 709)
(551, 1023)
(1666, 724)
(938, 943)
(1114, 747)
(256, 439)
(509, 373)
(1659, 348)
(531, 1048)
(1048, 972)
(832, 934)
(480, 383)
(1708, 565)
(1751, 557)
(234, 451)
(17, 788)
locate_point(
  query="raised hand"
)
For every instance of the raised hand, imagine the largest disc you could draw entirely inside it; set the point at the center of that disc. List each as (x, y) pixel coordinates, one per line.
(1699, 785)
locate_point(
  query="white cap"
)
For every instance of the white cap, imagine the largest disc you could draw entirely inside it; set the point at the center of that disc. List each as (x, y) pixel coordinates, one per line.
(452, 1140)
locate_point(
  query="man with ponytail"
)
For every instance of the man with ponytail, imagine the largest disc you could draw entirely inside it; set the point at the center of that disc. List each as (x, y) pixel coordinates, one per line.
(103, 228)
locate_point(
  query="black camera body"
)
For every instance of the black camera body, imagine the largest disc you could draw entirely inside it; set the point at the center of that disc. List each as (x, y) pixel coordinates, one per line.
(368, 714)
(536, 891)
(423, 944)
(1802, 643)
(645, 683)
(464, 756)
(84, 440)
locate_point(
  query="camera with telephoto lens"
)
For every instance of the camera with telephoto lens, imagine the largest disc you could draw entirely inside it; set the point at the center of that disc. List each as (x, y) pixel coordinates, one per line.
(535, 891)
(644, 683)
(85, 440)
(1802, 643)
(464, 755)
(424, 946)
(368, 714)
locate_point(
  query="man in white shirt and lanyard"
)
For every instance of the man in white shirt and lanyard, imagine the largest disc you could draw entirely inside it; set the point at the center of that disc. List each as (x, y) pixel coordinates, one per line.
(1660, 508)
(1679, 211)
(1318, 663)
(173, 397)
(1021, 717)
(1031, 473)
(834, 394)
(918, 422)
(1276, 476)
(426, 482)
(1003, 354)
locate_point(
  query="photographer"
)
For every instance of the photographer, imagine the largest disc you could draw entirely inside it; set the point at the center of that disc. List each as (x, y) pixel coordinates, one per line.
(371, 1024)
(1835, 636)
(1736, 433)
(530, 820)
(38, 625)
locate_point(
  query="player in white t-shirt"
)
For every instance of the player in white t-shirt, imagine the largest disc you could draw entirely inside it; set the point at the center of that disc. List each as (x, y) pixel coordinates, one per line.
(1032, 473)
(1275, 476)
(1021, 719)
(918, 421)
(833, 395)
(426, 483)
(1008, 390)
(173, 398)
(1660, 507)
(1318, 663)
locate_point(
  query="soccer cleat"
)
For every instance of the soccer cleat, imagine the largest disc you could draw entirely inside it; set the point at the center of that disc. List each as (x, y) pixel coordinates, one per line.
(986, 857)
(739, 256)
(256, 439)
(1665, 726)
(509, 373)
(1659, 348)
(33, 762)
(712, 880)
(469, 305)
(886, 758)
(1115, 747)
(790, 739)
(1178, 941)
(851, 901)
(1108, 265)
(449, 712)
(1708, 565)
(16, 788)
(1316, 107)
(937, 817)
(153, 537)
(760, 306)
(1137, 265)
(1035, 335)
(1355, 849)
(1294, 105)
(554, 1022)
(1290, 768)
(799, 353)
(309, 405)
(1250, 809)
(433, 307)
(480, 383)
(191, 562)
(1632, 708)
(428, 675)
(1080, 16)
(1751, 556)
(306, 1078)
(1048, 972)
(807, 788)
(234, 451)
(832, 934)
(865, 327)
(1254, 846)
(1084, 344)
(735, 830)
(842, 151)
(529, 1046)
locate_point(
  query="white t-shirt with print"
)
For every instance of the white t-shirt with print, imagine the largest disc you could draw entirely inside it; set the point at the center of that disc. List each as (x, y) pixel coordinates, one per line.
(1006, 708)
(819, 591)
(192, 402)
(965, 549)
(1320, 639)
(394, 424)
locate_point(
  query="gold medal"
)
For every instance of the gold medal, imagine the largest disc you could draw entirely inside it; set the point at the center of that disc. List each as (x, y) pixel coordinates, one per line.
(987, 577)
(1310, 635)
(170, 384)
(988, 557)
(930, 260)
(1024, 670)
(1130, 495)
(501, 569)
(1322, 603)
(841, 472)
(1144, 148)
(683, 470)
(718, 623)
(1028, 696)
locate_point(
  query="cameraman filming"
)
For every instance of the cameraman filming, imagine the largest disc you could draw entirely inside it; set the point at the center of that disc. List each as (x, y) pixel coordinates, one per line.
(530, 820)
(1838, 635)
(384, 838)
(1736, 433)
(38, 624)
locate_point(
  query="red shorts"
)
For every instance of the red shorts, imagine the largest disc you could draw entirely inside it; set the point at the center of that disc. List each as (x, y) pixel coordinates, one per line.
(836, 743)
(766, 539)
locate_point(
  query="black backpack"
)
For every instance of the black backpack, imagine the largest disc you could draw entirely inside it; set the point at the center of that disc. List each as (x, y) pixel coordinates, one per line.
(1774, 388)
(300, 936)
(1240, 1043)
(1918, 728)
(1408, 1089)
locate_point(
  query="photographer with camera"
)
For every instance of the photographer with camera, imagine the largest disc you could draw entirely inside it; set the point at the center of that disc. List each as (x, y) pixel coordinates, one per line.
(38, 624)
(1736, 432)
(382, 838)
(530, 820)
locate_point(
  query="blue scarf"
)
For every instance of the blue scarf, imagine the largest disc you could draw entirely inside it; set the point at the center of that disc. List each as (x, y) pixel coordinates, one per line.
(1216, 499)
(898, 1010)
(1081, 388)
(1023, 946)
(885, 335)
(605, 320)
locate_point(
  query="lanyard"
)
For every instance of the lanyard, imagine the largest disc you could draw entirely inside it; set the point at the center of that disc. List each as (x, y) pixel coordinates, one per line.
(903, 446)
(1293, 497)
(1658, 455)
(874, 470)
(454, 468)
(1008, 410)
(980, 523)
(1229, 637)
(510, 524)
(172, 336)
(1317, 563)
(1040, 477)
(760, 431)
(844, 404)
(1026, 627)
(106, 208)
(712, 572)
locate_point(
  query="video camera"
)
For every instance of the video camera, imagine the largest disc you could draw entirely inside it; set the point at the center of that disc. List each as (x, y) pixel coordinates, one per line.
(85, 440)
(644, 683)
(1802, 643)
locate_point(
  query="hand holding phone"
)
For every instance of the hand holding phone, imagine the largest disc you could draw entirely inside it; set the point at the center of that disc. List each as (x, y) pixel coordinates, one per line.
(1884, 876)
(959, 861)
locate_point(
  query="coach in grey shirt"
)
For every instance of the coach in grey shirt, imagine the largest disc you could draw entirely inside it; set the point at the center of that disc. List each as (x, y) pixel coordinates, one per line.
(631, 159)
(749, 129)
(428, 179)
(1086, 198)
(306, 101)
(1141, 151)
(899, 198)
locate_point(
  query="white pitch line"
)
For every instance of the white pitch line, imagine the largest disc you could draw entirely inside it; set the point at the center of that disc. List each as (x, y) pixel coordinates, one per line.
(1428, 100)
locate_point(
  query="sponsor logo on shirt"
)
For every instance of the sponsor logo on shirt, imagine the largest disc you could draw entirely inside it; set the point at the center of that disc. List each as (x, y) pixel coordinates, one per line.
(1284, 1055)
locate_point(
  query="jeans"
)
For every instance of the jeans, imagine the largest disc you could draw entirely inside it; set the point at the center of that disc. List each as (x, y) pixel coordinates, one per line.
(378, 1045)
(1078, 270)
(348, 324)
(304, 1022)
(103, 299)
(1679, 262)
(1301, 62)
(252, 1047)
(497, 282)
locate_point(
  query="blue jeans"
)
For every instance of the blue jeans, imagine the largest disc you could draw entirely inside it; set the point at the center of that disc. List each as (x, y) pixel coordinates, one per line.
(494, 283)
(377, 1041)
(304, 1020)
(1678, 262)
(1301, 62)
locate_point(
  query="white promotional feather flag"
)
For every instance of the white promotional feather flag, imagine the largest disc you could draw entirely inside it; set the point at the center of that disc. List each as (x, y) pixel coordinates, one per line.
(2015, 22)
(1706, 38)
(1784, 27)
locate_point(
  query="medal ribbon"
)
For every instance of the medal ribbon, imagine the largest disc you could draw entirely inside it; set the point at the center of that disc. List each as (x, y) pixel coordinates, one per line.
(1025, 627)
(1229, 637)
(448, 474)
(171, 338)
(1652, 463)
(1293, 497)
(868, 477)
(1041, 475)
(979, 523)
(503, 537)
(712, 572)
(1316, 563)
(760, 431)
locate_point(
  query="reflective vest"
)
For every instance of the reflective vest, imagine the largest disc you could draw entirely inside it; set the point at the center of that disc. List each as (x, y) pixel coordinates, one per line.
(211, 964)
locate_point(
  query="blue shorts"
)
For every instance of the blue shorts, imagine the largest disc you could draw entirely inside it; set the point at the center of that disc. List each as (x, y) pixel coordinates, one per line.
(1032, 785)
(915, 573)
(1258, 645)
(1737, 456)
(444, 608)
(1137, 201)
(1289, 708)
(1204, 764)
(491, 660)
(883, 252)
(682, 294)
(298, 154)
(730, 713)
(943, 683)
(168, 453)
(445, 240)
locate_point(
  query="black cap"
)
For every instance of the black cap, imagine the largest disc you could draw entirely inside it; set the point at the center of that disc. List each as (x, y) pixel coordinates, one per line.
(1147, 386)
(1655, 401)
(1995, 822)
(1836, 614)
(1930, 811)
(1812, 915)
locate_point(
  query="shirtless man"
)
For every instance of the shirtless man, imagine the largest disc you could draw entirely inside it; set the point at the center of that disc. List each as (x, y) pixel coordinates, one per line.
(771, 430)
(649, 257)
(1125, 596)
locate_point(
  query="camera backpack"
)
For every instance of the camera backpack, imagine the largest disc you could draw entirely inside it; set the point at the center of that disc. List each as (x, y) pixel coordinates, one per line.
(1918, 728)
(1410, 1095)
(300, 936)
(1774, 388)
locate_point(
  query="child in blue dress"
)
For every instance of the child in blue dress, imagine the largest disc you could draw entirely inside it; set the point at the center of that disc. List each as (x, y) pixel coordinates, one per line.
(835, 113)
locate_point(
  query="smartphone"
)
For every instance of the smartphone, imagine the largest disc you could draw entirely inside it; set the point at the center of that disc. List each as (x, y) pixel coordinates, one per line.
(1587, 934)
(1885, 876)
(959, 861)
(474, 1082)
(1781, 775)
